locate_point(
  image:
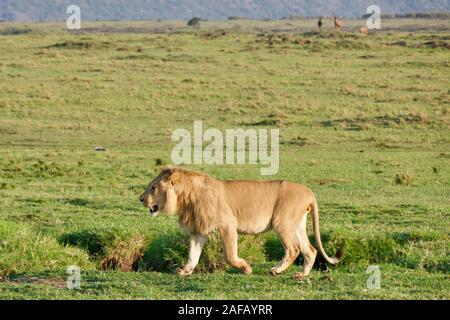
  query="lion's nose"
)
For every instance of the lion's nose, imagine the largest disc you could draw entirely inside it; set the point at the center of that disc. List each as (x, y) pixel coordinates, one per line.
(141, 199)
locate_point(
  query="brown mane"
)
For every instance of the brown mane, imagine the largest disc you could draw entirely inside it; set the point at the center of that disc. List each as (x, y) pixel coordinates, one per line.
(195, 199)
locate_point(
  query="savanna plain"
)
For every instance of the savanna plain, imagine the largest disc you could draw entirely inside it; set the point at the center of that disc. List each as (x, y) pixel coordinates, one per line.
(363, 119)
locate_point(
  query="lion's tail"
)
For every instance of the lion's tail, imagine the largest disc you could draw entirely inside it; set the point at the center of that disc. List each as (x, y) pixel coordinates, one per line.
(315, 219)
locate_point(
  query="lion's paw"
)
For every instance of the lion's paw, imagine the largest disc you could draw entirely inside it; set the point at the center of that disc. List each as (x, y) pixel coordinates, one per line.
(274, 271)
(182, 272)
(299, 276)
(247, 270)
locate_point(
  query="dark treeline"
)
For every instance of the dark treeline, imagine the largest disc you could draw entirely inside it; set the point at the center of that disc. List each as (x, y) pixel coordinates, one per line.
(418, 15)
(412, 15)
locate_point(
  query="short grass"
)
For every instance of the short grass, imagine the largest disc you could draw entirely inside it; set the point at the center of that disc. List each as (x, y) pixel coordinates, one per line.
(364, 122)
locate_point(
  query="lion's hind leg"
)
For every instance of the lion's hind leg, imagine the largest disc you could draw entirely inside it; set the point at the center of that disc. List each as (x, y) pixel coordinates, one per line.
(287, 235)
(290, 254)
(309, 253)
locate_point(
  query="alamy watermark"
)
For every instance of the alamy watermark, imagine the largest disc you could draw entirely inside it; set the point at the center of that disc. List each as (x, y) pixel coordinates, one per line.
(374, 280)
(373, 21)
(73, 22)
(228, 150)
(74, 280)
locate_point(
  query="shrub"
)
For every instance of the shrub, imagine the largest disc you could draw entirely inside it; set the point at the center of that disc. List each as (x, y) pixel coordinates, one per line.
(194, 22)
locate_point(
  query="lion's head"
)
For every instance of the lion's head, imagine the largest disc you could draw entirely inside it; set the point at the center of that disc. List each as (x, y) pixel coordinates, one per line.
(189, 194)
(160, 194)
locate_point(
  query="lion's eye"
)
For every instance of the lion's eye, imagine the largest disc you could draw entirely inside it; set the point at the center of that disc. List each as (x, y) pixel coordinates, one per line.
(152, 189)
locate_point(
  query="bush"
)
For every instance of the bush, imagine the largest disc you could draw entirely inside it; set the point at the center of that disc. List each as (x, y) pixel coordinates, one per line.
(194, 22)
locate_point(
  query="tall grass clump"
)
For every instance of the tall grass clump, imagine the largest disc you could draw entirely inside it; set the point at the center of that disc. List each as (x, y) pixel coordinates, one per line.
(108, 249)
(24, 250)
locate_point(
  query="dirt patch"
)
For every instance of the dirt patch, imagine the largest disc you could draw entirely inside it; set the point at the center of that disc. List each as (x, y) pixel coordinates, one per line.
(54, 282)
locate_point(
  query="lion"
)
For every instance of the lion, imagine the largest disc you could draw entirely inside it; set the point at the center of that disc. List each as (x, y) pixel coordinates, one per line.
(204, 204)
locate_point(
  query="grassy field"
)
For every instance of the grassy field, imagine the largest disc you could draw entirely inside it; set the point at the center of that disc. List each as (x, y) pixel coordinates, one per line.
(364, 122)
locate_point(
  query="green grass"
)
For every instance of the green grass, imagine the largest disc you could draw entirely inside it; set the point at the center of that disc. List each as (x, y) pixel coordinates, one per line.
(364, 122)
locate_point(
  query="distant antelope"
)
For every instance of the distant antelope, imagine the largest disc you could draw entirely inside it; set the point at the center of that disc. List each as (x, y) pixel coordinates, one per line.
(363, 30)
(319, 23)
(337, 23)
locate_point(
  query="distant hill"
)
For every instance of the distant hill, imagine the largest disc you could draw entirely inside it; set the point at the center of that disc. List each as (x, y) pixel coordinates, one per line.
(53, 10)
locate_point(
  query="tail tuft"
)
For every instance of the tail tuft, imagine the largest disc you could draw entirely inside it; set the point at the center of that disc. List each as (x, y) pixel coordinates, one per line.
(340, 253)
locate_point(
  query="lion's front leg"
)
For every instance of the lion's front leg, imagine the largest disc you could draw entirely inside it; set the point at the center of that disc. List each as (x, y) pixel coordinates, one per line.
(230, 239)
(195, 249)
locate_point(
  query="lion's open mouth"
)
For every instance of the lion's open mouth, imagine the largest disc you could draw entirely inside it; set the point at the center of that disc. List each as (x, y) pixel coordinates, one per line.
(153, 209)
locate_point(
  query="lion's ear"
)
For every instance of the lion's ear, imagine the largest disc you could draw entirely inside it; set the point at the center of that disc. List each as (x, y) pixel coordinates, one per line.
(173, 177)
(166, 169)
